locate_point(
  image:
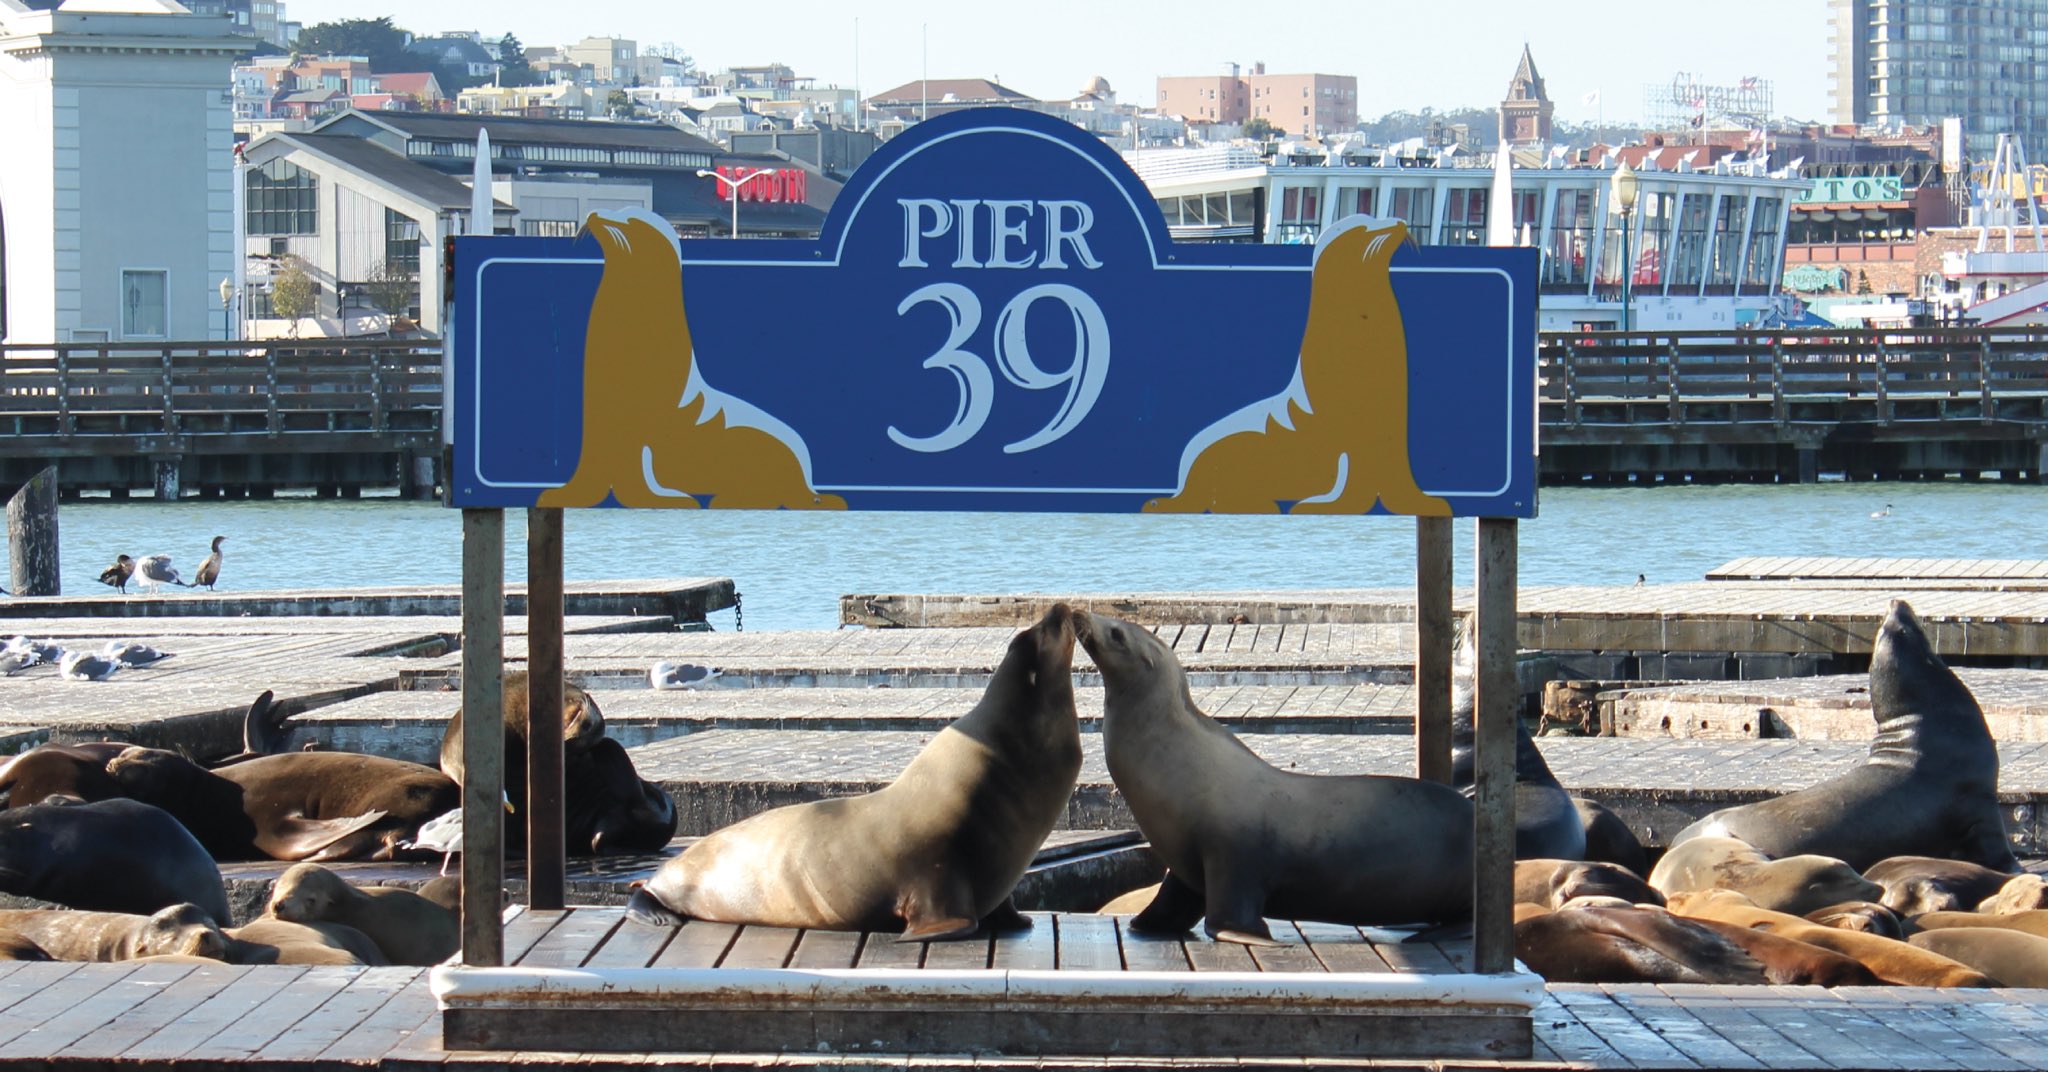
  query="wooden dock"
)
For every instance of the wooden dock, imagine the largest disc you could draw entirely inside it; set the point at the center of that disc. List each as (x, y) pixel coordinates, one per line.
(1921, 573)
(658, 603)
(1830, 708)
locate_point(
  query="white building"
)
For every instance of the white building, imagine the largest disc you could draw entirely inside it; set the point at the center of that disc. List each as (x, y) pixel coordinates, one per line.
(1708, 248)
(116, 171)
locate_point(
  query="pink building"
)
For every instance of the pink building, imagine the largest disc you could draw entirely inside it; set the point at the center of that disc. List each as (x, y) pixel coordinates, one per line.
(1299, 104)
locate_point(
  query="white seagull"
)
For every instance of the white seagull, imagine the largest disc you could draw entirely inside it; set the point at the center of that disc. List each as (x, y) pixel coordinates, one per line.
(668, 675)
(85, 666)
(1886, 512)
(38, 651)
(14, 662)
(131, 655)
(157, 570)
(443, 834)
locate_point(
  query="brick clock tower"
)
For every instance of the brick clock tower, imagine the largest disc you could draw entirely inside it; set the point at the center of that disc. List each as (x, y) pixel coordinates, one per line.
(1525, 114)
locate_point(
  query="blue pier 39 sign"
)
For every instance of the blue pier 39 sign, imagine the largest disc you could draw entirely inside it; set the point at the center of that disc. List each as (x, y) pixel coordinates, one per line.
(995, 318)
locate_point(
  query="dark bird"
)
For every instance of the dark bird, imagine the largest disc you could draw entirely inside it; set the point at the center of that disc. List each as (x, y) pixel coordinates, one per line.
(116, 576)
(209, 570)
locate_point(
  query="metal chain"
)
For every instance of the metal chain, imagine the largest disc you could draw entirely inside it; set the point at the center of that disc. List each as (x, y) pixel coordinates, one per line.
(739, 621)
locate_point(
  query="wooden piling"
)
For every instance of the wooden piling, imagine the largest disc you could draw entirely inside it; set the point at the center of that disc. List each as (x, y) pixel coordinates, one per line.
(545, 868)
(32, 537)
(483, 736)
(1435, 631)
(1494, 712)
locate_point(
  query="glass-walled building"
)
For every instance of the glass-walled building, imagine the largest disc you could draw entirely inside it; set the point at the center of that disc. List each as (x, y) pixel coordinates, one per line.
(1916, 62)
(1707, 249)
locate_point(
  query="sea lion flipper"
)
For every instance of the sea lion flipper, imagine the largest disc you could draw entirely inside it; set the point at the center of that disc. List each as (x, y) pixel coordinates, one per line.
(1006, 918)
(939, 930)
(303, 839)
(1175, 909)
(643, 908)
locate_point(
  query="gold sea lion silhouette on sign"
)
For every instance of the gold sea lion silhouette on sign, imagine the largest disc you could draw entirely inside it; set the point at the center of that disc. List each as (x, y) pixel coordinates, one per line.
(1336, 441)
(654, 433)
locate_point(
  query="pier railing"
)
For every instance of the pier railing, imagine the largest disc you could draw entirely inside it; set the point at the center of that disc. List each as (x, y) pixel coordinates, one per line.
(176, 389)
(1878, 375)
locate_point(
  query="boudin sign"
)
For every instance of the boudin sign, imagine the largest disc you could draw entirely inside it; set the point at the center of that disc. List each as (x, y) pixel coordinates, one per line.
(995, 318)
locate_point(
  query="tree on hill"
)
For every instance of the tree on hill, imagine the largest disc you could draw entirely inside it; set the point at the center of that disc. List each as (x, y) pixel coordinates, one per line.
(1259, 128)
(376, 40)
(513, 68)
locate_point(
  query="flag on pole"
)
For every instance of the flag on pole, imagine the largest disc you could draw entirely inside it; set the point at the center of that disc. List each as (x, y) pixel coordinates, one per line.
(1590, 99)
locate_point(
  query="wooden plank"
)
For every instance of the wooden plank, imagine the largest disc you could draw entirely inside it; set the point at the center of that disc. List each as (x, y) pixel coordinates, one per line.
(967, 953)
(1497, 706)
(761, 947)
(2009, 1021)
(546, 860)
(571, 941)
(61, 996)
(888, 951)
(1877, 1031)
(631, 945)
(252, 988)
(1556, 1027)
(1145, 952)
(21, 980)
(1724, 1010)
(697, 944)
(1641, 1046)
(82, 1018)
(1208, 956)
(368, 992)
(1798, 1012)
(525, 930)
(1435, 630)
(1035, 950)
(1341, 948)
(827, 949)
(483, 738)
(1088, 943)
(165, 1006)
(1419, 958)
(1928, 1017)
(1294, 956)
(1677, 1025)
(409, 1013)
(288, 1004)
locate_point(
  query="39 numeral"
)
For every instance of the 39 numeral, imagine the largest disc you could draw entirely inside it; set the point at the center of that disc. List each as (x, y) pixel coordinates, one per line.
(1082, 377)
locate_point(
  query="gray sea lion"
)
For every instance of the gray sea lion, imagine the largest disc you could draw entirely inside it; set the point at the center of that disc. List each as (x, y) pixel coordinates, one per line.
(66, 934)
(582, 727)
(1242, 839)
(1914, 885)
(47, 770)
(1795, 885)
(408, 928)
(1928, 788)
(305, 943)
(1556, 882)
(608, 808)
(936, 852)
(1547, 826)
(1630, 945)
(1608, 839)
(109, 856)
(1868, 917)
(295, 806)
(2014, 958)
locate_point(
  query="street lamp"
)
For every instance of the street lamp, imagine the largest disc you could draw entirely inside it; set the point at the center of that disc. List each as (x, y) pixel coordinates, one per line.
(227, 297)
(732, 190)
(1625, 188)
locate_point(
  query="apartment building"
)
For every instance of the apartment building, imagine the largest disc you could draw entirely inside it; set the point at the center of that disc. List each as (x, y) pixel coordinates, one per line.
(1917, 62)
(1306, 105)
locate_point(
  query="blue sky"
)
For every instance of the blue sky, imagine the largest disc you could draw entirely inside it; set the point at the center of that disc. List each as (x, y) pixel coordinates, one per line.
(1450, 53)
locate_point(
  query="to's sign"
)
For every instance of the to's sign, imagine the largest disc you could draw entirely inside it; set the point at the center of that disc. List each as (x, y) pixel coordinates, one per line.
(1843, 191)
(995, 318)
(772, 185)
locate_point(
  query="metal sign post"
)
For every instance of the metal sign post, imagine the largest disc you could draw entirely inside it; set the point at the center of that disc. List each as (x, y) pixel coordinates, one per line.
(483, 736)
(545, 866)
(1436, 630)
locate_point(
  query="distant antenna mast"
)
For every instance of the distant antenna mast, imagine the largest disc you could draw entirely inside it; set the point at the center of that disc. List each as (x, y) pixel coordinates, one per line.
(924, 96)
(859, 113)
(2009, 182)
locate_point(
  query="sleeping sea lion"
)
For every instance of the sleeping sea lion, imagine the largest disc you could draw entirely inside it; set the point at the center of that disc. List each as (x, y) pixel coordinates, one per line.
(66, 934)
(1866, 916)
(1893, 961)
(1918, 884)
(1630, 945)
(108, 855)
(1929, 786)
(408, 928)
(936, 852)
(2014, 958)
(1242, 839)
(47, 770)
(320, 942)
(1795, 885)
(1554, 882)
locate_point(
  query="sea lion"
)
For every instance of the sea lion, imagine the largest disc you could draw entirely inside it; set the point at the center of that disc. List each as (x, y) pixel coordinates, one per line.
(1929, 786)
(18, 947)
(1555, 882)
(1917, 884)
(2014, 958)
(2034, 921)
(1795, 885)
(1336, 440)
(1242, 839)
(443, 890)
(47, 770)
(295, 806)
(1865, 916)
(1124, 904)
(655, 433)
(2021, 893)
(1608, 839)
(1790, 962)
(408, 928)
(608, 807)
(109, 856)
(1893, 961)
(1630, 945)
(65, 934)
(582, 727)
(1547, 826)
(306, 943)
(936, 852)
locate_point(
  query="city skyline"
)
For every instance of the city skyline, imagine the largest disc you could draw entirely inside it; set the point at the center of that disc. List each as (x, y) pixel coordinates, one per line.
(1603, 46)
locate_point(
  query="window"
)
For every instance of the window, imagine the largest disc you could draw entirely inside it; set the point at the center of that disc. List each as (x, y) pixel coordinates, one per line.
(1571, 241)
(142, 303)
(1413, 207)
(283, 200)
(1301, 218)
(401, 243)
(1688, 253)
(1763, 248)
(1727, 247)
(1465, 218)
(3, 274)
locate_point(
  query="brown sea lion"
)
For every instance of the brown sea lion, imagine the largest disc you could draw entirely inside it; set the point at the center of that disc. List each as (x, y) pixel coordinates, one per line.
(47, 770)
(1892, 961)
(1553, 882)
(295, 806)
(1790, 962)
(1795, 885)
(1929, 786)
(1242, 839)
(582, 727)
(306, 943)
(2021, 893)
(1124, 904)
(1630, 945)
(2014, 958)
(109, 856)
(1529, 910)
(67, 934)
(2033, 921)
(1914, 885)
(19, 947)
(1866, 916)
(444, 890)
(936, 852)
(408, 928)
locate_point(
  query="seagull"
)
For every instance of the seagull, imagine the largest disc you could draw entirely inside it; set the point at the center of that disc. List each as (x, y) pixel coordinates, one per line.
(668, 675)
(443, 834)
(116, 576)
(1641, 580)
(40, 651)
(157, 570)
(14, 662)
(209, 570)
(85, 666)
(1886, 512)
(131, 654)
